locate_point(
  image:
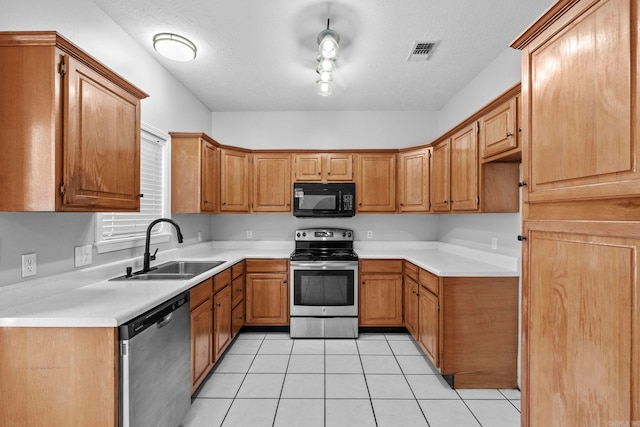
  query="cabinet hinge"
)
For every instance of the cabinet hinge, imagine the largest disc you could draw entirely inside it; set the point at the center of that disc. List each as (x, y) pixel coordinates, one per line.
(438, 360)
(478, 128)
(429, 152)
(438, 306)
(63, 68)
(62, 189)
(477, 200)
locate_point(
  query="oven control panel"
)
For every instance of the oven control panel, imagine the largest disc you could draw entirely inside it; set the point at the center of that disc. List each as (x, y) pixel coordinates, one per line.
(324, 234)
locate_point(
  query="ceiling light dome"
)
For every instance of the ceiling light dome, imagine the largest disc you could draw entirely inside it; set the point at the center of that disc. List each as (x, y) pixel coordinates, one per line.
(174, 47)
(328, 44)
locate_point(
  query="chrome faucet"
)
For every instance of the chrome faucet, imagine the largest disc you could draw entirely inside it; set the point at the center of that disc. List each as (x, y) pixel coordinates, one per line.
(147, 255)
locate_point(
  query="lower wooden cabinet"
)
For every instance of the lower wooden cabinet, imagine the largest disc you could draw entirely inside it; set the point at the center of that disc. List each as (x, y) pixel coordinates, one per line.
(201, 306)
(410, 289)
(267, 292)
(380, 292)
(221, 321)
(237, 298)
(429, 324)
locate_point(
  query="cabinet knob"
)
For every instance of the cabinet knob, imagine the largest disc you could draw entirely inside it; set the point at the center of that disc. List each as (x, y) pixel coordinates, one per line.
(206, 202)
(284, 281)
(522, 183)
(509, 134)
(445, 202)
(521, 237)
(328, 173)
(141, 195)
(364, 282)
(224, 203)
(218, 304)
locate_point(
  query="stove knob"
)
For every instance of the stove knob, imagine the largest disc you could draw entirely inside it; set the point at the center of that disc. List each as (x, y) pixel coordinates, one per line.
(344, 234)
(349, 234)
(298, 234)
(304, 234)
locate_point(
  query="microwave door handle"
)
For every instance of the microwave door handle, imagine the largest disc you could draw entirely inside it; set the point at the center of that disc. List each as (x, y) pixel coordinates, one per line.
(340, 201)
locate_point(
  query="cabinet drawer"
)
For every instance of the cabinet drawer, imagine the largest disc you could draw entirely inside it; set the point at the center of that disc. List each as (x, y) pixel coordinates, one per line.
(380, 266)
(237, 291)
(411, 270)
(237, 270)
(429, 281)
(267, 265)
(200, 293)
(221, 280)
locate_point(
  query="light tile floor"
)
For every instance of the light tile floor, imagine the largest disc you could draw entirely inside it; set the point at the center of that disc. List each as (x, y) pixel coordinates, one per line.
(378, 380)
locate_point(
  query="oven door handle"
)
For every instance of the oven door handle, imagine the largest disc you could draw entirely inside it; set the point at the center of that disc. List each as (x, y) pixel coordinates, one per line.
(324, 265)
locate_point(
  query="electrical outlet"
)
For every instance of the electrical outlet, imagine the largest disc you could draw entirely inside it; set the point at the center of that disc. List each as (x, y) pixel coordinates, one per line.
(199, 236)
(249, 234)
(369, 234)
(494, 243)
(82, 256)
(29, 265)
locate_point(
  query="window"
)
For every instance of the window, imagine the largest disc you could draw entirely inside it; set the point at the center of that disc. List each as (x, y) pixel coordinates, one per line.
(122, 230)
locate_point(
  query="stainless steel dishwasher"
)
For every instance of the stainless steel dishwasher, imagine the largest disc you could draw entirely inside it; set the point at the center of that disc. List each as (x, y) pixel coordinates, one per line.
(155, 366)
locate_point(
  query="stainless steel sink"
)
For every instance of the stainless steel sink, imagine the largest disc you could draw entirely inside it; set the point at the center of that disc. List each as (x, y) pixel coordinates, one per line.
(173, 270)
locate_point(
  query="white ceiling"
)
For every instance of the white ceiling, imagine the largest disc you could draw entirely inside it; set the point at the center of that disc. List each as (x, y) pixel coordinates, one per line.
(260, 55)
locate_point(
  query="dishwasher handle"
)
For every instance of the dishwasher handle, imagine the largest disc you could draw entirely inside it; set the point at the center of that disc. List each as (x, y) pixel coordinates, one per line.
(165, 320)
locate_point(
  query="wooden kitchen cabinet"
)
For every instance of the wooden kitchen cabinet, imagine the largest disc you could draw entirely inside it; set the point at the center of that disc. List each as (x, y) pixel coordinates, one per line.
(464, 170)
(267, 292)
(55, 376)
(429, 324)
(414, 172)
(410, 290)
(237, 297)
(580, 105)
(70, 138)
(323, 167)
(194, 173)
(201, 308)
(234, 180)
(440, 173)
(272, 188)
(380, 292)
(499, 135)
(376, 182)
(221, 321)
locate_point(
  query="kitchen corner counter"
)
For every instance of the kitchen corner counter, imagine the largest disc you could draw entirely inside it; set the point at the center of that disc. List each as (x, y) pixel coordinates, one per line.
(86, 298)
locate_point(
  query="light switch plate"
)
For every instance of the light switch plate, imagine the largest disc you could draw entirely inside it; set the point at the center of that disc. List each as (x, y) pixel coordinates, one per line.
(82, 256)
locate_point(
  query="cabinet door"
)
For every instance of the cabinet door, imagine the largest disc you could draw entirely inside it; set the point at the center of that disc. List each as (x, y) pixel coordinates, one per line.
(581, 314)
(209, 178)
(440, 173)
(464, 169)
(101, 142)
(237, 319)
(429, 324)
(234, 181)
(380, 300)
(498, 130)
(580, 97)
(413, 181)
(308, 167)
(221, 321)
(338, 167)
(376, 184)
(267, 299)
(271, 182)
(201, 342)
(411, 306)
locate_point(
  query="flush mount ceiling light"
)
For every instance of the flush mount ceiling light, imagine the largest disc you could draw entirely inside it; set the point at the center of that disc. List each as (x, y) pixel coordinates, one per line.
(174, 47)
(328, 45)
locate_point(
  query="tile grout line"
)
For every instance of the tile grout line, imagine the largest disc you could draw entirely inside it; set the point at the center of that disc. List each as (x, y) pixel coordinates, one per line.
(284, 379)
(373, 411)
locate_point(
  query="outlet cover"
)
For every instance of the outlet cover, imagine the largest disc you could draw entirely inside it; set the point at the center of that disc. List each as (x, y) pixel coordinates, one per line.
(29, 265)
(82, 256)
(369, 234)
(494, 243)
(249, 234)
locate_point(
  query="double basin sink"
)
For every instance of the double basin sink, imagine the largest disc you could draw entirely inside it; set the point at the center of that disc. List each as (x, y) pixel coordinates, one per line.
(173, 270)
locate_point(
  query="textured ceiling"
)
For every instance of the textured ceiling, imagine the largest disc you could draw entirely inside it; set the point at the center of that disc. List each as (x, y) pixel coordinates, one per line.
(259, 55)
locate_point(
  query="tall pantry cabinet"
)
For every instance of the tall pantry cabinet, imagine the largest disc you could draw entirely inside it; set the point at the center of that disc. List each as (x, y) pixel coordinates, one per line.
(581, 146)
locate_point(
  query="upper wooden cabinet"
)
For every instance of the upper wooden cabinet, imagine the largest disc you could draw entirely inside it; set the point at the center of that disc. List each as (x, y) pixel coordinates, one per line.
(194, 174)
(464, 169)
(440, 173)
(499, 133)
(70, 137)
(580, 102)
(234, 180)
(323, 167)
(413, 180)
(271, 182)
(376, 182)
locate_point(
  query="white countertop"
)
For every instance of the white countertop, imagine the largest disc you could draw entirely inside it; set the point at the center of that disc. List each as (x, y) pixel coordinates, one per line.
(85, 298)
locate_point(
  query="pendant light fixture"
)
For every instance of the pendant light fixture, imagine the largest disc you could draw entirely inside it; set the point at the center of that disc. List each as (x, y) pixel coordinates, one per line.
(174, 47)
(328, 46)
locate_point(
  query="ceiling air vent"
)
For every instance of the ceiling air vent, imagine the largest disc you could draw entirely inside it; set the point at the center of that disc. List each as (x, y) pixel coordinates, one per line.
(422, 51)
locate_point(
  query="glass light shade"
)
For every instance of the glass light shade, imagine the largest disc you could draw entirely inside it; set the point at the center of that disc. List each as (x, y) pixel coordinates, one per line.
(326, 76)
(326, 65)
(174, 47)
(328, 44)
(324, 88)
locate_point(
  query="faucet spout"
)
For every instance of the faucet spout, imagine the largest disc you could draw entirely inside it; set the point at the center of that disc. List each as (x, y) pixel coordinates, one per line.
(147, 243)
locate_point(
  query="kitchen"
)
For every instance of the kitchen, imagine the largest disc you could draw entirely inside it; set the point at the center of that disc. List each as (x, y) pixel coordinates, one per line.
(49, 234)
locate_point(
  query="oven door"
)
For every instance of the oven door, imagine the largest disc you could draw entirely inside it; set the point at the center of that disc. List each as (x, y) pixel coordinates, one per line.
(324, 288)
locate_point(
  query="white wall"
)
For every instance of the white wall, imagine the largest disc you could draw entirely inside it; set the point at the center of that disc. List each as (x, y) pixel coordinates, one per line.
(324, 129)
(170, 106)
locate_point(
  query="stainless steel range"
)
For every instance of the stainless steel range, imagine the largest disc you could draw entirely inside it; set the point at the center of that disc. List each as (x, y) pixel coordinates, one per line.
(324, 284)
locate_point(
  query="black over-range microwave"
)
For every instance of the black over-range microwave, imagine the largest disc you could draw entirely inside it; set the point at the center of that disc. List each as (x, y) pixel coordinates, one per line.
(324, 199)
